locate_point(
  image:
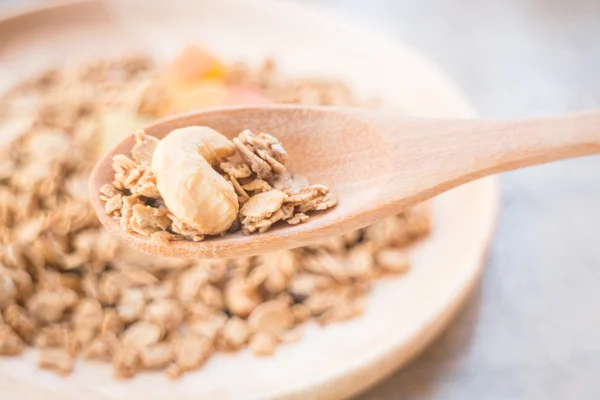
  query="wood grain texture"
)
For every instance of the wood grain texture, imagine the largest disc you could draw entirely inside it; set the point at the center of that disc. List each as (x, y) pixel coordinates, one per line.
(403, 315)
(376, 162)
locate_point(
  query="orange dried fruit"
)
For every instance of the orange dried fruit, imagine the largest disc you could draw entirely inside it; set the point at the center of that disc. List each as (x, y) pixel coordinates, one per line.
(196, 64)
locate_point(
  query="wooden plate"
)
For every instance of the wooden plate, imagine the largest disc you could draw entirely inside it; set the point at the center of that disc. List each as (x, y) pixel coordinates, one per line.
(403, 315)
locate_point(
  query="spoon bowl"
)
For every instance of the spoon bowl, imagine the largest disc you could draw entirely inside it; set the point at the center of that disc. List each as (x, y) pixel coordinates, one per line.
(377, 162)
(309, 141)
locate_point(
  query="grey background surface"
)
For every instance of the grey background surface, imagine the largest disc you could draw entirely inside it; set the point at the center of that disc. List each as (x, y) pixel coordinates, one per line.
(532, 329)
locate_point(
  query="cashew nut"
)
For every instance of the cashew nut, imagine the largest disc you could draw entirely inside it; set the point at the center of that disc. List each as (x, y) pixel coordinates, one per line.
(193, 191)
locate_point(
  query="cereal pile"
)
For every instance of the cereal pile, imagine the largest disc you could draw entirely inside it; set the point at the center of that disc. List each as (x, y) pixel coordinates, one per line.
(151, 195)
(68, 289)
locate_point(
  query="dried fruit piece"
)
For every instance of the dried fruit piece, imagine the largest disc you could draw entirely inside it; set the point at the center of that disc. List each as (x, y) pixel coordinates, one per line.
(195, 64)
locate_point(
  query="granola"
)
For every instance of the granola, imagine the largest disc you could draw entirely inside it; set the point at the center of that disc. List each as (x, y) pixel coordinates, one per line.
(68, 289)
(135, 200)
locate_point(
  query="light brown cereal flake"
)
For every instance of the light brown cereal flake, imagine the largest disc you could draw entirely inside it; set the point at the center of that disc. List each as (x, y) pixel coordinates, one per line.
(131, 305)
(189, 283)
(291, 335)
(126, 361)
(272, 317)
(124, 167)
(111, 323)
(110, 287)
(360, 263)
(234, 334)
(267, 148)
(238, 171)
(260, 167)
(257, 185)
(56, 359)
(137, 277)
(304, 284)
(58, 335)
(161, 290)
(212, 297)
(20, 321)
(8, 290)
(127, 211)
(190, 353)
(147, 220)
(290, 184)
(243, 196)
(208, 326)
(298, 218)
(241, 297)
(328, 264)
(165, 237)
(10, 343)
(314, 197)
(262, 344)
(49, 306)
(156, 356)
(144, 147)
(181, 228)
(113, 204)
(87, 314)
(103, 348)
(261, 206)
(140, 334)
(107, 190)
(393, 260)
(165, 313)
(274, 270)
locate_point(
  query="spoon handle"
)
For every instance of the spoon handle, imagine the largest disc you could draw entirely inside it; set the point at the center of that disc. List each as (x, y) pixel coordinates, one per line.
(447, 153)
(499, 146)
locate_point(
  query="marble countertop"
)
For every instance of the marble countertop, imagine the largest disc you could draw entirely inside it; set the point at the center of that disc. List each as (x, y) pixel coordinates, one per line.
(532, 329)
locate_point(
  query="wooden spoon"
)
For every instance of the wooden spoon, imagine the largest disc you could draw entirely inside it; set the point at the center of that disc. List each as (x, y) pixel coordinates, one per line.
(377, 162)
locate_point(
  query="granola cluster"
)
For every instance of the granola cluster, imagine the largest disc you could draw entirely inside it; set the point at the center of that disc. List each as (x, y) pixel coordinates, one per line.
(69, 290)
(266, 192)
